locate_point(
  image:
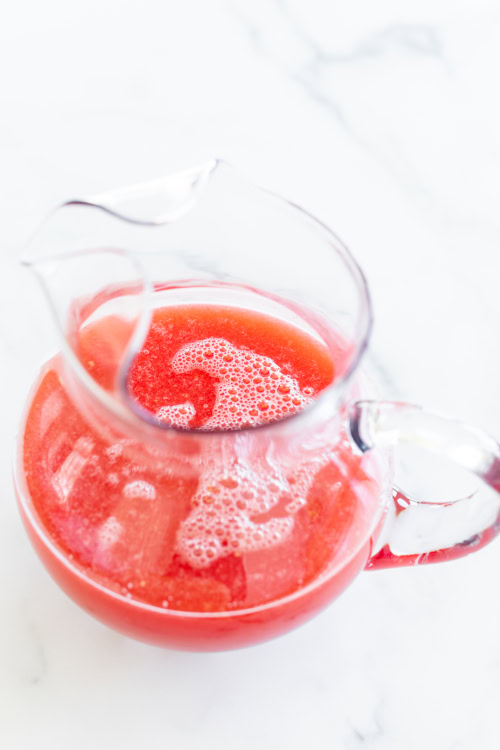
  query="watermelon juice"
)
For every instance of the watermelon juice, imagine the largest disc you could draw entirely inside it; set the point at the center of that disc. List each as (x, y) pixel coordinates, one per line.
(239, 541)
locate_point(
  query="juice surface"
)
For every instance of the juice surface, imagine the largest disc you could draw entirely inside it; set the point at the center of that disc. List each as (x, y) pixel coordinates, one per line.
(248, 523)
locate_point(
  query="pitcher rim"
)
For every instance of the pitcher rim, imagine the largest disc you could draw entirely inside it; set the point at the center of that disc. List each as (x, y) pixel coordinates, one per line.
(139, 418)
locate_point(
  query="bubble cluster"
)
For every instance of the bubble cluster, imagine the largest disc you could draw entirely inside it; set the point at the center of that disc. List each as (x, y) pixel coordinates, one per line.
(251, 388)
(178, 415)
(220, 520)
(227, 505)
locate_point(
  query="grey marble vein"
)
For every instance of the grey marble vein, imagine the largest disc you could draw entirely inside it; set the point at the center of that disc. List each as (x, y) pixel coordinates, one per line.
(423, 39)
(414, 39)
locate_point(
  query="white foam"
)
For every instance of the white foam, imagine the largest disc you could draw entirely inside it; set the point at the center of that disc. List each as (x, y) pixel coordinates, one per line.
(237, 483)
(139, 490)
(225, 504)
(251, 388)
(109, 532)
(178, 415)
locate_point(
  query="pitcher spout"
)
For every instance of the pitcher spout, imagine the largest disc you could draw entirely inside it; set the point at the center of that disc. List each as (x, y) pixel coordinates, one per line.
(96, 252)
(157, 202)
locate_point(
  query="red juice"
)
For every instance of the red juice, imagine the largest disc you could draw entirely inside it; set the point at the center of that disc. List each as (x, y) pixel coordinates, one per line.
(239, 547)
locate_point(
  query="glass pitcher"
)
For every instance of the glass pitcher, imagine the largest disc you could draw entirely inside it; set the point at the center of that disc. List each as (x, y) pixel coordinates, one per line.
(221, 528)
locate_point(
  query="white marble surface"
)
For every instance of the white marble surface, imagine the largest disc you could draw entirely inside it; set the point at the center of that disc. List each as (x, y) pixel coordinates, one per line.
(383, 119)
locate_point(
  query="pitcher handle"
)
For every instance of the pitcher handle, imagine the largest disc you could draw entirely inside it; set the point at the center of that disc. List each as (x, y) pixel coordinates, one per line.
(416, 531)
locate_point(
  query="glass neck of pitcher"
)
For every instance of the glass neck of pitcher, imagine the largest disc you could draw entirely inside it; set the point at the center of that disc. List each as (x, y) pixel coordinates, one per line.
(208, 235)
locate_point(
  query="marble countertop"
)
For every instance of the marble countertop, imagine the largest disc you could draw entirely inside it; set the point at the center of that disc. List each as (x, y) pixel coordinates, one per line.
(382, 119)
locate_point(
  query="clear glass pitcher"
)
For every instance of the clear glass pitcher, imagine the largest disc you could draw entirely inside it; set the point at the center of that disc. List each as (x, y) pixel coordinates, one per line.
(193, 533)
